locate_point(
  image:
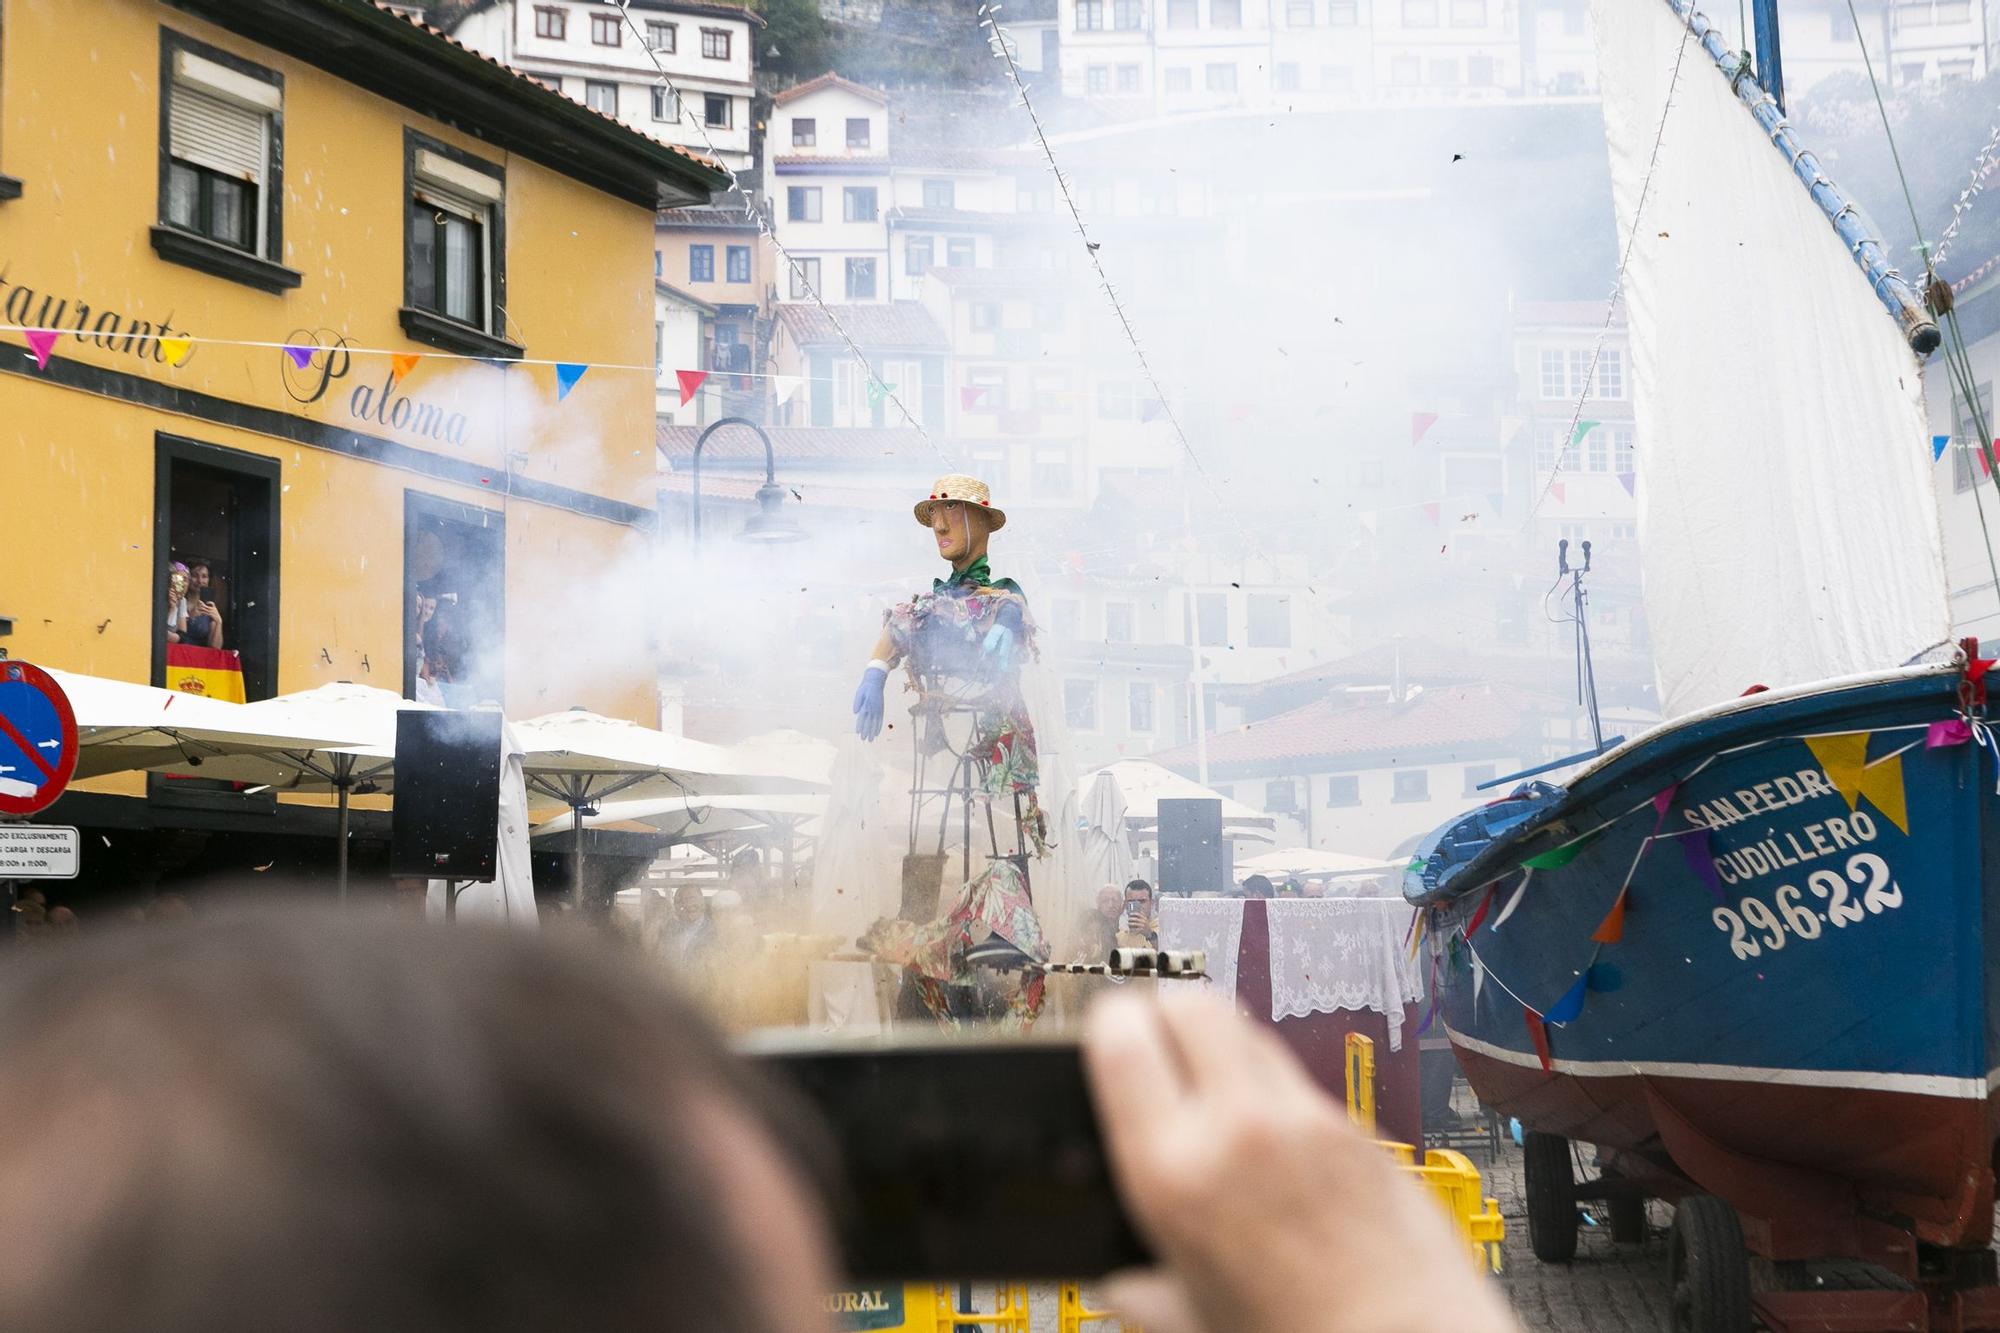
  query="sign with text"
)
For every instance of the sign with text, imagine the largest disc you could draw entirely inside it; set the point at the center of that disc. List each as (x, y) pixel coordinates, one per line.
(39, 851)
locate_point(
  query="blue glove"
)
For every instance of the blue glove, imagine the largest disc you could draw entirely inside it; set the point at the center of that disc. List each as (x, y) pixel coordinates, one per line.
(998, 649)
(868, 703)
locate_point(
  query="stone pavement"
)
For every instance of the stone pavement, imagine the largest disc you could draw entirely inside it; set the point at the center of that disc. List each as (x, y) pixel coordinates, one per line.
(1609, 1289)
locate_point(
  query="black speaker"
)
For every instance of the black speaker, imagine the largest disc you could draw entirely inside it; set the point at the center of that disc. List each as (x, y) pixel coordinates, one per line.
(1193, 856)
(446, 823)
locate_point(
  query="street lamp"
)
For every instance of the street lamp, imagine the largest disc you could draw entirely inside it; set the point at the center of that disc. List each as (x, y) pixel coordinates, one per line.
(768, 524)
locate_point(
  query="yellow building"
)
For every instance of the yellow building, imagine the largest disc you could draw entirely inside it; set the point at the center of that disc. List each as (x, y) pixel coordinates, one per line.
(246, 221)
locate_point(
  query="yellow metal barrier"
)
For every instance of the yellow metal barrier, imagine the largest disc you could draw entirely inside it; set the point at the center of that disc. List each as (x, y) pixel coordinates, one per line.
(1448, 1175)
(1071, 1315)
(1008, 1315)
(1361, 1081)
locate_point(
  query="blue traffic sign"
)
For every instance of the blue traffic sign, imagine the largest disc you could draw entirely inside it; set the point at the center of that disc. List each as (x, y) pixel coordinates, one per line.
(37, 739)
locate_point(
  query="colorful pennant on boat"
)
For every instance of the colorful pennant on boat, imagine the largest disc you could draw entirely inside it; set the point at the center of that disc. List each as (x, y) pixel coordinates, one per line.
(1845, 759)
(1538, 1033)
(1557, 857)
(1612, 928)
(1951, 731)
(1701, 860)
(1479, 914)
(1514, 901)
(1570, 1007)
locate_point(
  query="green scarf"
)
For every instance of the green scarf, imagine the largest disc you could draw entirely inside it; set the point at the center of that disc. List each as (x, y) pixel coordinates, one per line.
(978, 574)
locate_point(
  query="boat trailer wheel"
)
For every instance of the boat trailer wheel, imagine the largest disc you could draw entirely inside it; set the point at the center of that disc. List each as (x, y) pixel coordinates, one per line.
(1710, 1267)
(1550, 1177)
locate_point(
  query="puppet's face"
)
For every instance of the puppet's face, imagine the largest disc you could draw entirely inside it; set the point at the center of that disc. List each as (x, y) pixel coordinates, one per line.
(960, 530)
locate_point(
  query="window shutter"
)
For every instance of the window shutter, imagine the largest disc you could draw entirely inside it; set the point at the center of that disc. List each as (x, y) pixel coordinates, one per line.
(210, 132)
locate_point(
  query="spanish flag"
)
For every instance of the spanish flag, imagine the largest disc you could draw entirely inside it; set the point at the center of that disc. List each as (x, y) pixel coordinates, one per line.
(215, 672)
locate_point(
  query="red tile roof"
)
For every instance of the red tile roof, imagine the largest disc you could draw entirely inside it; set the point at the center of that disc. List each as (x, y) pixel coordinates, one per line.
(1041, 280)
(1476, 719)
(830, 80)
(832, 162)
(898, 325)
(441, 35)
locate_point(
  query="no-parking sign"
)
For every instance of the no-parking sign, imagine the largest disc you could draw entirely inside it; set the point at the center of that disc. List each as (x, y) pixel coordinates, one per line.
(37, 739)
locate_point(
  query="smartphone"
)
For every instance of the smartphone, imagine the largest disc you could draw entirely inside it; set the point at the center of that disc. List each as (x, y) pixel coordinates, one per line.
(964, 1159)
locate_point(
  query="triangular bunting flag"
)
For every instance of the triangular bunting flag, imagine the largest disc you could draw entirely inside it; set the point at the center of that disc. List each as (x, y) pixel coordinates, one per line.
(1432, 510)
(403, 363)
(1420, 425)
(1539, 1035)
(177, 349)
(301, 356)
(1495, 502)
(1612, 928)
(1938, 446)
(1630, 481)
(1560, 490)
(1581, 429)
(1695, 848)
(1570, 1007)
(567, 374)
(1951, 731)
(1478, 978)
(42, 342)
(1479, 914)
(1151, 410)
(784, 386)
(690, 382)
(877, 391)
(1514, 901)
(1845, 759)
(1663, 799)
(969, 396)
(1430, 1014)
(1557, 857)
(1985, 462)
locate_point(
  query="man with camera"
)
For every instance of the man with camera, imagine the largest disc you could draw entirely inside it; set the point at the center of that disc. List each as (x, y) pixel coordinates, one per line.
(325, 1123)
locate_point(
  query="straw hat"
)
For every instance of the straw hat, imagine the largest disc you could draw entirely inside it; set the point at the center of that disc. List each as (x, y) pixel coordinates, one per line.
(971, 490)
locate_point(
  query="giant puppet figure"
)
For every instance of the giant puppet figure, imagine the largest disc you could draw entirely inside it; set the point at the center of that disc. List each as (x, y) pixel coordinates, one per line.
(961, 646)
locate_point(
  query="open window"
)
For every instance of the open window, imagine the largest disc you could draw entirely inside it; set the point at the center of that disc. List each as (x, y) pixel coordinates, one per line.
(216, 513)
(454, 574)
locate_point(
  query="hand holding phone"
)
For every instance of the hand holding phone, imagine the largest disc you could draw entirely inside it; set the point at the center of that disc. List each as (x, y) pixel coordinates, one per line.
(1270, 1212)
(967, 1159)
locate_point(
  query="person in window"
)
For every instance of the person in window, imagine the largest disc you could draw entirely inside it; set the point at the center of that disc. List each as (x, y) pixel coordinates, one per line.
(177, 608)
(441, 652)
(201, 618)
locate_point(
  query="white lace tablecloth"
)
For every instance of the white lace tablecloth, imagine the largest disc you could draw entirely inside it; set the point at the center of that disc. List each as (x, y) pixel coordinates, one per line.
(1214, 925)
(1329, 954)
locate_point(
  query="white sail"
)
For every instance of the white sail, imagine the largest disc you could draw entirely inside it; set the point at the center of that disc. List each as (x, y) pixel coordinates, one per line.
(1788, 521)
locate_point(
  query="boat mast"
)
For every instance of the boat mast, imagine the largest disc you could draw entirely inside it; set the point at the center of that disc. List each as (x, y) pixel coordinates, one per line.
(1770, 60)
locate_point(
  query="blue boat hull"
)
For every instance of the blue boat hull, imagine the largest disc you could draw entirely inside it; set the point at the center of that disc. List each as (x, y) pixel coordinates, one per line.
(1790, 1007)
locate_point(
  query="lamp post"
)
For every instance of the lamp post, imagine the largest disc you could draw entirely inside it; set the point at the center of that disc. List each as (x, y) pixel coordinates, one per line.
(767, 524)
